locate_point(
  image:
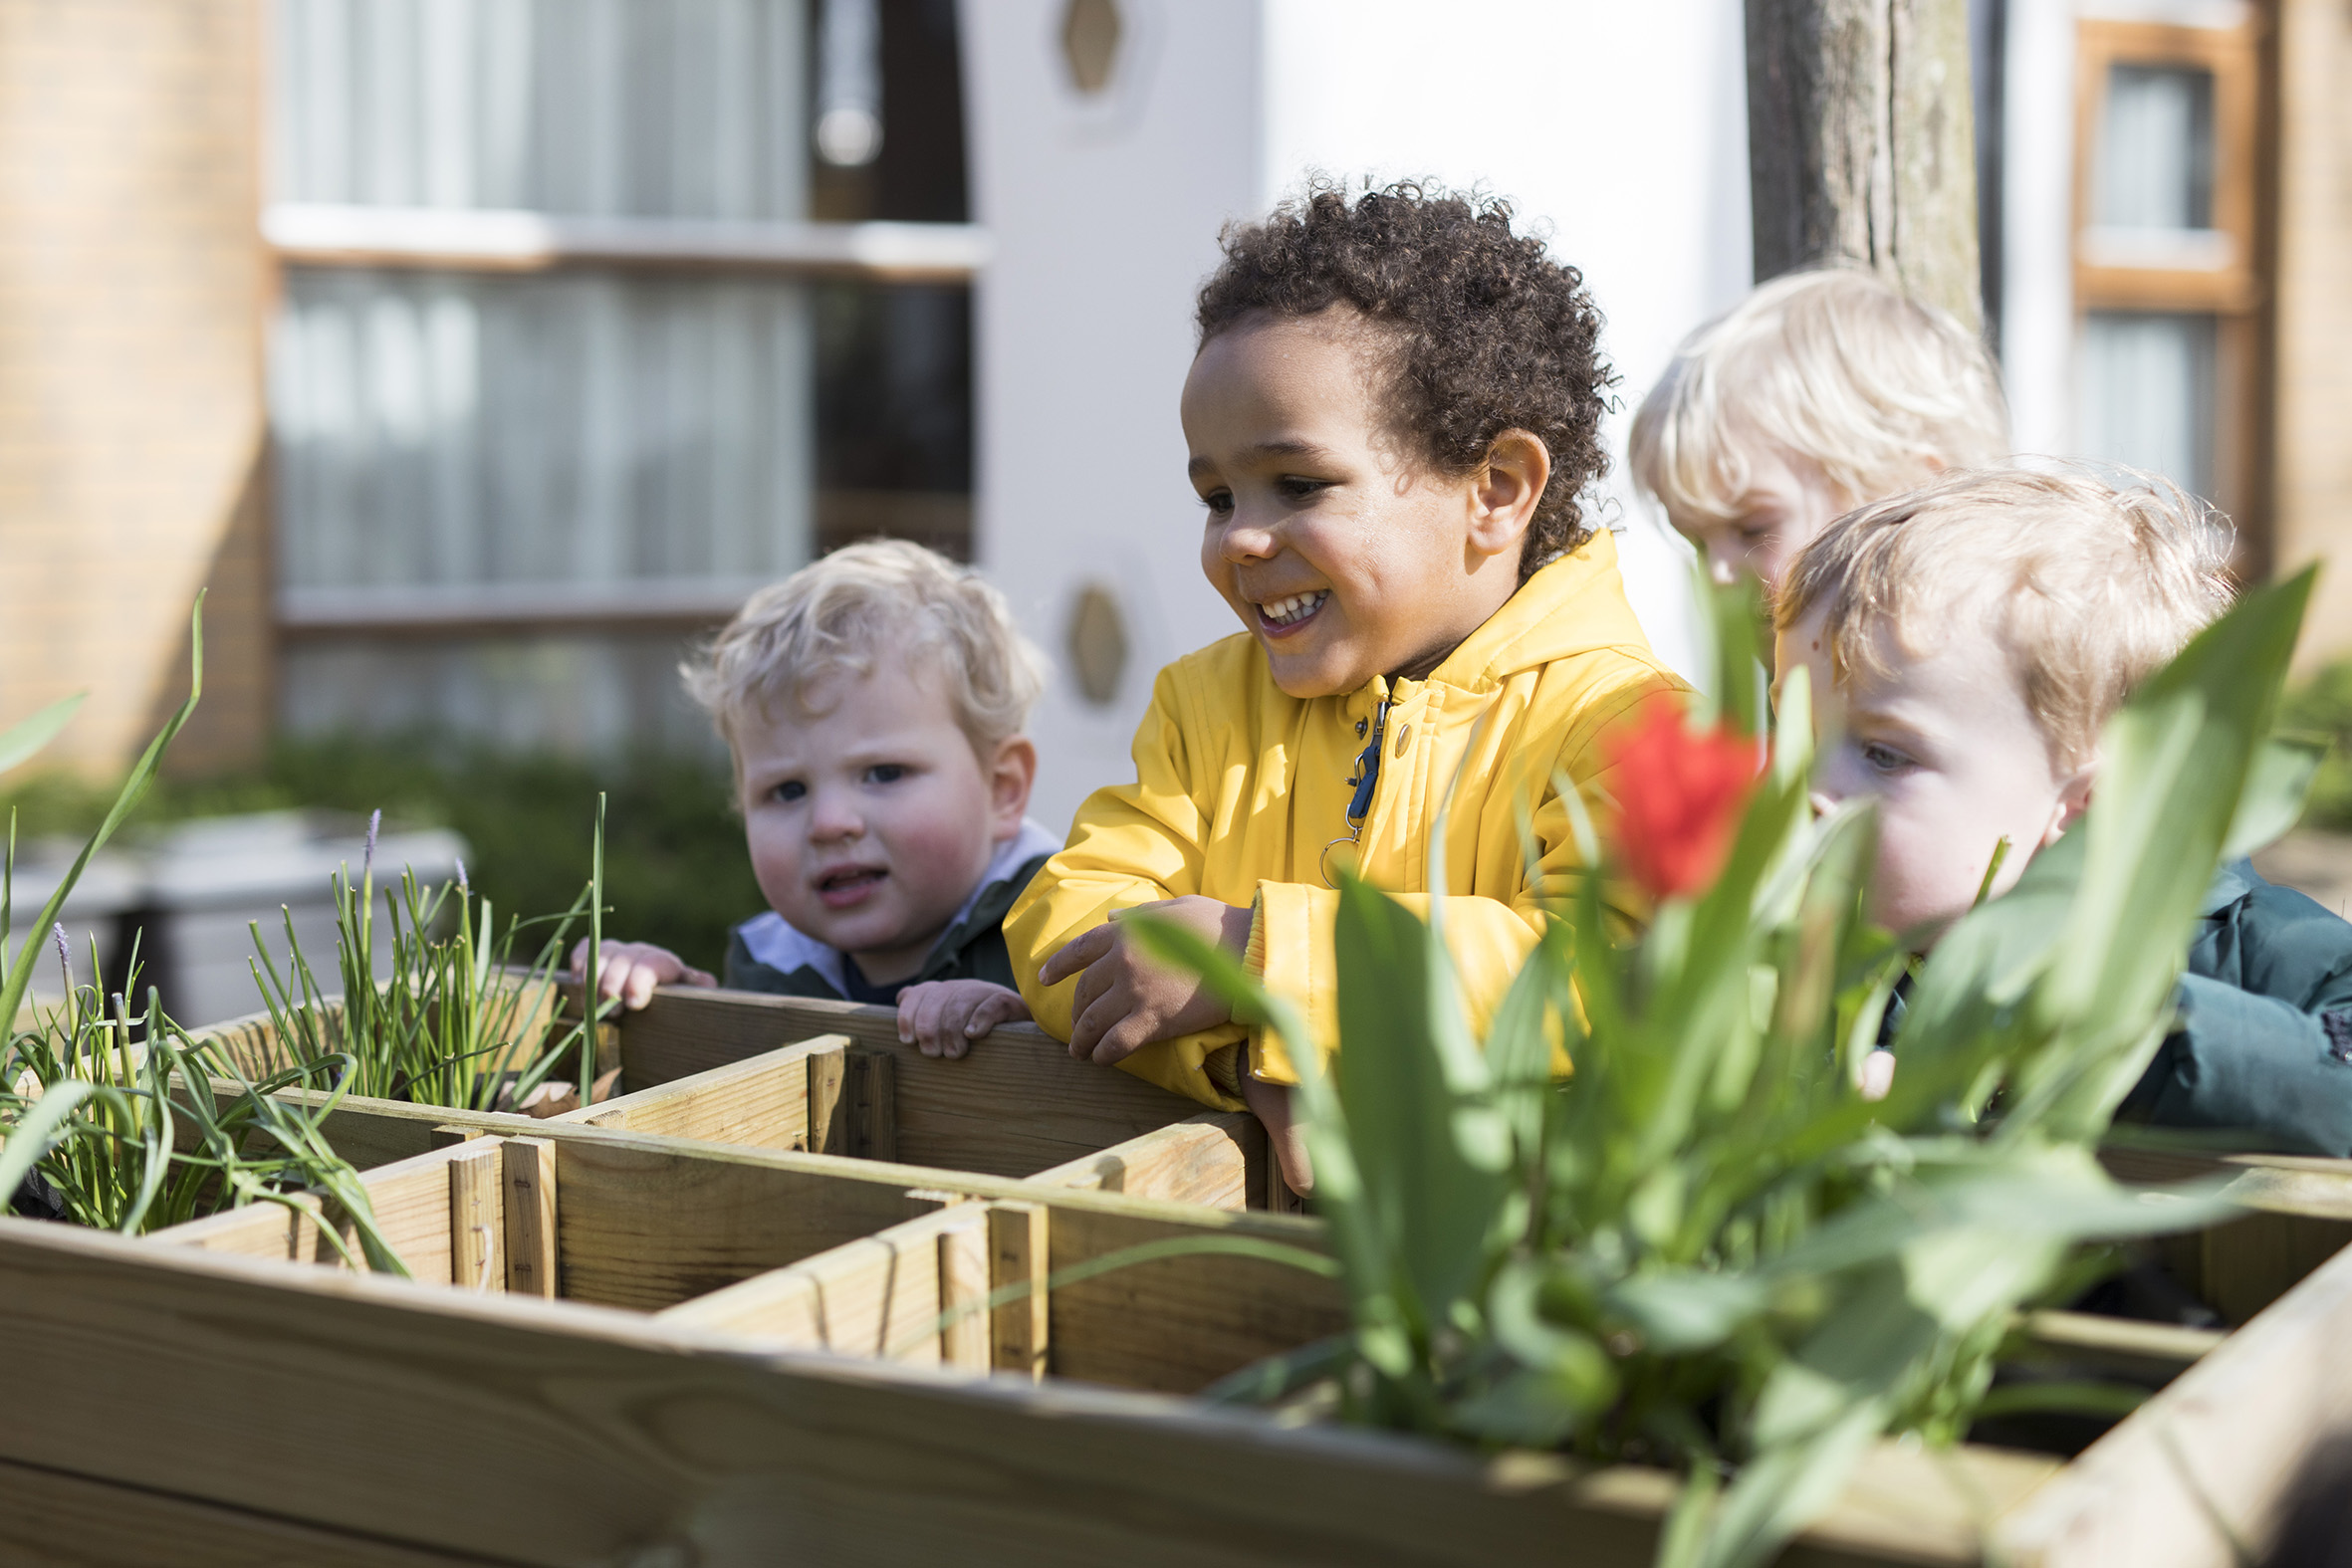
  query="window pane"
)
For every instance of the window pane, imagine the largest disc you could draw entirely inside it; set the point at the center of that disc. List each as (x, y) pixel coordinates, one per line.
(687, 109)
(2148, 394)
(2156, 148)
(571, 427)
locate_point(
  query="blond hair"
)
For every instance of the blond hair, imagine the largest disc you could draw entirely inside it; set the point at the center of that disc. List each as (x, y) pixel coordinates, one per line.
(852, 610)
(1834, 367)
(2091, 586)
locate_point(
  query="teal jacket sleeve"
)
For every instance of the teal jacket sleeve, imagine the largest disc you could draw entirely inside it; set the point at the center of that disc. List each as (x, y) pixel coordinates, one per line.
(2264, 1047)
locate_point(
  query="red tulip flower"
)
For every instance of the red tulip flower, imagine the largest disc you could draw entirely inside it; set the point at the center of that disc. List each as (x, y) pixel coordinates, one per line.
(1680, 793)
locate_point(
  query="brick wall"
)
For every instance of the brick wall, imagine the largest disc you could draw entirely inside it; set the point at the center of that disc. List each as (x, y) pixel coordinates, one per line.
(131, 296)
(2314, 354)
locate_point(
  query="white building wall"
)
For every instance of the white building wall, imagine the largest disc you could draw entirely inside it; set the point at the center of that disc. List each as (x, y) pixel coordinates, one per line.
(2037, 329)
(1621, 129)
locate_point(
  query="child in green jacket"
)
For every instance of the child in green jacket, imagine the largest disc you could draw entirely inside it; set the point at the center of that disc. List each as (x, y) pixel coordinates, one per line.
(1965, 643)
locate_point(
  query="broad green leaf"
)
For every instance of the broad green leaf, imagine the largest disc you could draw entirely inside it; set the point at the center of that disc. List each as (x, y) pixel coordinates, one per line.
(1689, 1309)
(1431, 1148)
(2276, 789)
(1784, 1488)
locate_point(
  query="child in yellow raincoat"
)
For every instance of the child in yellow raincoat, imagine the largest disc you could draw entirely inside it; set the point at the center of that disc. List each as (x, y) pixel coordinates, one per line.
(1394, 409)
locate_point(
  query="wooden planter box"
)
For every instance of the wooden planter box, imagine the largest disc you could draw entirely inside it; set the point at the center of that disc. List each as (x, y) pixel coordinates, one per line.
(654, 1348)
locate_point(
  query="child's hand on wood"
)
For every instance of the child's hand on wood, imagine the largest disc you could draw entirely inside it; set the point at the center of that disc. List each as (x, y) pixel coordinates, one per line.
(630, 971)
(1125, 1001)
(944, 1016)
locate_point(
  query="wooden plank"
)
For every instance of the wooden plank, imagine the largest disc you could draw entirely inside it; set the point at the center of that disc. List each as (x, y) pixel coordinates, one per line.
(761, 1102)
(2125, 1345)
(55, 1518)
(411, 1199)
(2272, 1182)
(1016, 1103)
(1209, 1159)
(2246, 1265)
(627, 1438)
(877, 1297)
(477, 1216)
(413, 1202)
(1019, 1252)
(651, 1221)
(829, 1103)
(2202, 1474)
(366, 1132)
(264, 1230)
(873, 1080)
(1178, 1324)
(529, 1168)
(964, 1269)
(2301, 1216)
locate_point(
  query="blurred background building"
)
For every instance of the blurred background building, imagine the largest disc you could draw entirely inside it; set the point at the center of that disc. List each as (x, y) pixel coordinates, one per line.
(477, 355)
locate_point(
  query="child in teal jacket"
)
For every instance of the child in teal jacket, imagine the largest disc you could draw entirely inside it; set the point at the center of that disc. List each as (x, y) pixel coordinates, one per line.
(1966, 644)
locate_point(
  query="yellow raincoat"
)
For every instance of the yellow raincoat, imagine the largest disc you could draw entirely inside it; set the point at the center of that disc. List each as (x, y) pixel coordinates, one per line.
(1239, 790)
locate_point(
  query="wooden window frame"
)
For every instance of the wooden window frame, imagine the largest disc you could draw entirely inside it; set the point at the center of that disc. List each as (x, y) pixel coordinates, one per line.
(2236, 293)
(2233, 57)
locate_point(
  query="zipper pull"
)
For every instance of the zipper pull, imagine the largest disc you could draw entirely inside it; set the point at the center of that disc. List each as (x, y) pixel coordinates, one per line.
(1367, 768)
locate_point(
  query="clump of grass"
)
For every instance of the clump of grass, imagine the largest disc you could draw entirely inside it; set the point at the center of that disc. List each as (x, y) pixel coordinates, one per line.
(128, 1124)
(456, 1021)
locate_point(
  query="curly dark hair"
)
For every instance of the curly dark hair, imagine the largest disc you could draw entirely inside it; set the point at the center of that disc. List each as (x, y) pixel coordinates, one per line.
(1485, 333)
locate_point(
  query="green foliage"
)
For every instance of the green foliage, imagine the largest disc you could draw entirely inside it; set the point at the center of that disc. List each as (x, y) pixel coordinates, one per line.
(121, 1121)
(2322, 708)
(676, 872)
(1707, 1247)
(453, 1024)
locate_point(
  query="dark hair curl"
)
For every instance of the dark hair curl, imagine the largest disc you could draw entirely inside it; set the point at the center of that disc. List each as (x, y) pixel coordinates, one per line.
(1483, 333)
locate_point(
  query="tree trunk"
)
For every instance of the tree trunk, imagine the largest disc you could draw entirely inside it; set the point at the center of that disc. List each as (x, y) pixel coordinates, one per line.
(1861, 143)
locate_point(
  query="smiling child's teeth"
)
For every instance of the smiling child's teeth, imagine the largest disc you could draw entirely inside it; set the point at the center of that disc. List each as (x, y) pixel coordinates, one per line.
(1284, 611)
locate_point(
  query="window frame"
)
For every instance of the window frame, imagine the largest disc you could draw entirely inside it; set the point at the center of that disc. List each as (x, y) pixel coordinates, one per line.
(2236, 294)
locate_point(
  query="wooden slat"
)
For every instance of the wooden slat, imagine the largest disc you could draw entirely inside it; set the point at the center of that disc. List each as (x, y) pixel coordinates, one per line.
(1178, 1324)
(624, 1438)
(1212, 1158)
(529, 1168)
(2204, 1470)
(54, 1518)
(964, 1269)
(2301, 1216)
(477, 1217)
(878, 1297)
(829, 1104)
(412, 1207)
(651, 1222)
(1016, 1103)
(2138, 1349)
(873, 1081)
(1020, 1249)
(761, 1102)
(267, 1230)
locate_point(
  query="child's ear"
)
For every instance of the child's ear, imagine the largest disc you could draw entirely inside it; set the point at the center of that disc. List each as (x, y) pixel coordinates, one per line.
(1010, 778)
(1505, 494)
(2074, 799)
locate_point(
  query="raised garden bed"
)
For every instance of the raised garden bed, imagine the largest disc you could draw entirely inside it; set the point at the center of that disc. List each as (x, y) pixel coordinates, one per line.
(751, 1253)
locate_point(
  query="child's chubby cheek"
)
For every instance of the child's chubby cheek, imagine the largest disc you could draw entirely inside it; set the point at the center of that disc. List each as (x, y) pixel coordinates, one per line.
(897, 882)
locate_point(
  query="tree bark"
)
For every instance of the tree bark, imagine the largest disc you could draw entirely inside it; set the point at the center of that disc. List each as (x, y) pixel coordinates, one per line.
(1862, 144)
